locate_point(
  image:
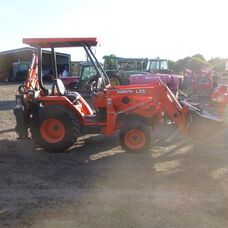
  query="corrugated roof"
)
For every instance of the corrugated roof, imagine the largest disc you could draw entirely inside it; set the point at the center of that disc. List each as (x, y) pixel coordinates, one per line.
(18, 50)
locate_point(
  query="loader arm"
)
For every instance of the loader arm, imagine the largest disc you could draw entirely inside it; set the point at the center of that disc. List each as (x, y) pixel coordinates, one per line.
(171, 106)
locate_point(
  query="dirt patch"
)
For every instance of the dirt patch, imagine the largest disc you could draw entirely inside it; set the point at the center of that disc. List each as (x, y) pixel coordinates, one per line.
(177, 183)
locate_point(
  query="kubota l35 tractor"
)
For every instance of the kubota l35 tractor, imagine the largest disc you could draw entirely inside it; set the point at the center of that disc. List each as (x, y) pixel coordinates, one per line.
(56, 117)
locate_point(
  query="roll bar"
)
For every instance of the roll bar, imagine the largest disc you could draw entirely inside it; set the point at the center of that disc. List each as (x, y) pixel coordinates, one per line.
(96, 64)
(40, 78)
(52, 43)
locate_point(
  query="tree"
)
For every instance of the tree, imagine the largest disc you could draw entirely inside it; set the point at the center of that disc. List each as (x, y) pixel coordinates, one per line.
(181, 64)
(199, 56)
(171, 64)
(215, 61)
(193, 63)
(198, 63)
(218, 64)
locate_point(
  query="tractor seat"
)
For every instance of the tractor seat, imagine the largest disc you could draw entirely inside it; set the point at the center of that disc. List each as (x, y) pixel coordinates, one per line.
(58, 84)
(73, 97)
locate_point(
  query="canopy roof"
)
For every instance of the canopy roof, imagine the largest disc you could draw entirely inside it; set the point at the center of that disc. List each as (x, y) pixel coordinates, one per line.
(122, 59)
(59, 42)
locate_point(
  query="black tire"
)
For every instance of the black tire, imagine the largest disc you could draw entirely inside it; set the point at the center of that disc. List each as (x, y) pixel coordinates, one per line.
(135, 137)
(64, 119)
(115, 80)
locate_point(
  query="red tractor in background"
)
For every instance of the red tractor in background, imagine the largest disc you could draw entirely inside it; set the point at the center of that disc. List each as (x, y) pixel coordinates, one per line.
(205, 83)
(220, 96)
(56, 117)
(81, 83)
(200, 83)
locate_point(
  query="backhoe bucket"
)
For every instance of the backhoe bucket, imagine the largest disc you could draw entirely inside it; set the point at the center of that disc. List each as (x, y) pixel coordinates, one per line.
(202, 124)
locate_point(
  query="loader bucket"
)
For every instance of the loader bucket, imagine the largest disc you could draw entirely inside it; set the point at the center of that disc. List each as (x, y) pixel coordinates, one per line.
(202, 124)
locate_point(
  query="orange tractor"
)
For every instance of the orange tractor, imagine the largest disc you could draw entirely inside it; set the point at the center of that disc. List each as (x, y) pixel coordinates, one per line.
(56, 117)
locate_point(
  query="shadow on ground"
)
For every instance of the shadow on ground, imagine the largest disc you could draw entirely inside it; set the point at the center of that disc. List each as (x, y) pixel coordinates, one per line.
(7, 105)
(39, 185)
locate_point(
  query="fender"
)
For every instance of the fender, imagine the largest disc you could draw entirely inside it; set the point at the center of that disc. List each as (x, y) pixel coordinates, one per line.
(64, 101)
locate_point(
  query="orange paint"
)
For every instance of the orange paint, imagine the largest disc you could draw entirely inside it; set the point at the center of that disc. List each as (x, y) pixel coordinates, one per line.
(52, 130)
(135, 139)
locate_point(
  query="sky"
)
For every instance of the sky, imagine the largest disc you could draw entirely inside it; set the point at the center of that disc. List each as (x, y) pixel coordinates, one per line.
(172, 29)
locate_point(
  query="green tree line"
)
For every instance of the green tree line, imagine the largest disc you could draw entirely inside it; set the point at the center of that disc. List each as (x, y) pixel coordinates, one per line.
(197, 62)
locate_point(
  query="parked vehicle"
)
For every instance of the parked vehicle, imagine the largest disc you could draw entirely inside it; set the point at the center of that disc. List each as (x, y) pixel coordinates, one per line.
(119, 69)
(220, 96)
(56, 117)
(83, 82)
(201, 82)
(157, 68)
(20, 71)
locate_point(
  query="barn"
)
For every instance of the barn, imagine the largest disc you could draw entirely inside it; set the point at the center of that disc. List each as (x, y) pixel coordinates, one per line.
(14, 64)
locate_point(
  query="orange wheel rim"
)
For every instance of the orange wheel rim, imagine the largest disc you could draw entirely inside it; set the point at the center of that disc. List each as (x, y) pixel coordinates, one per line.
(52, 130)
(135, 139)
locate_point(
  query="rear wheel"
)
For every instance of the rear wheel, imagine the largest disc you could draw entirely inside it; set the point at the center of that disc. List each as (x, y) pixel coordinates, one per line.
(135, 137)
(115, 80)
(55, 129)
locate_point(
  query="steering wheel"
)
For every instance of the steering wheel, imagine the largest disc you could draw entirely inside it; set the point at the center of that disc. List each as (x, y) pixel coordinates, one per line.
(59, 86)
(22, 89)
(97, 85)
(93, 86)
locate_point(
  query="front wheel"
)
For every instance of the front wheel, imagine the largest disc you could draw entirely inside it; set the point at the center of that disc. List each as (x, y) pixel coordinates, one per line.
(135, 137)
(56, 128)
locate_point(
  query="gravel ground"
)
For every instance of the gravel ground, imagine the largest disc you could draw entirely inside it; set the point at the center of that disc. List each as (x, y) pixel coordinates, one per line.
(177, 183)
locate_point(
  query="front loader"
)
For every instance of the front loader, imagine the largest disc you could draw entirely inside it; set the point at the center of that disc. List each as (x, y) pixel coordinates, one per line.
(56, 117)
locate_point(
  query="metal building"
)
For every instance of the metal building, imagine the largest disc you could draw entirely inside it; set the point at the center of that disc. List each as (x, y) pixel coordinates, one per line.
(14, 64)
